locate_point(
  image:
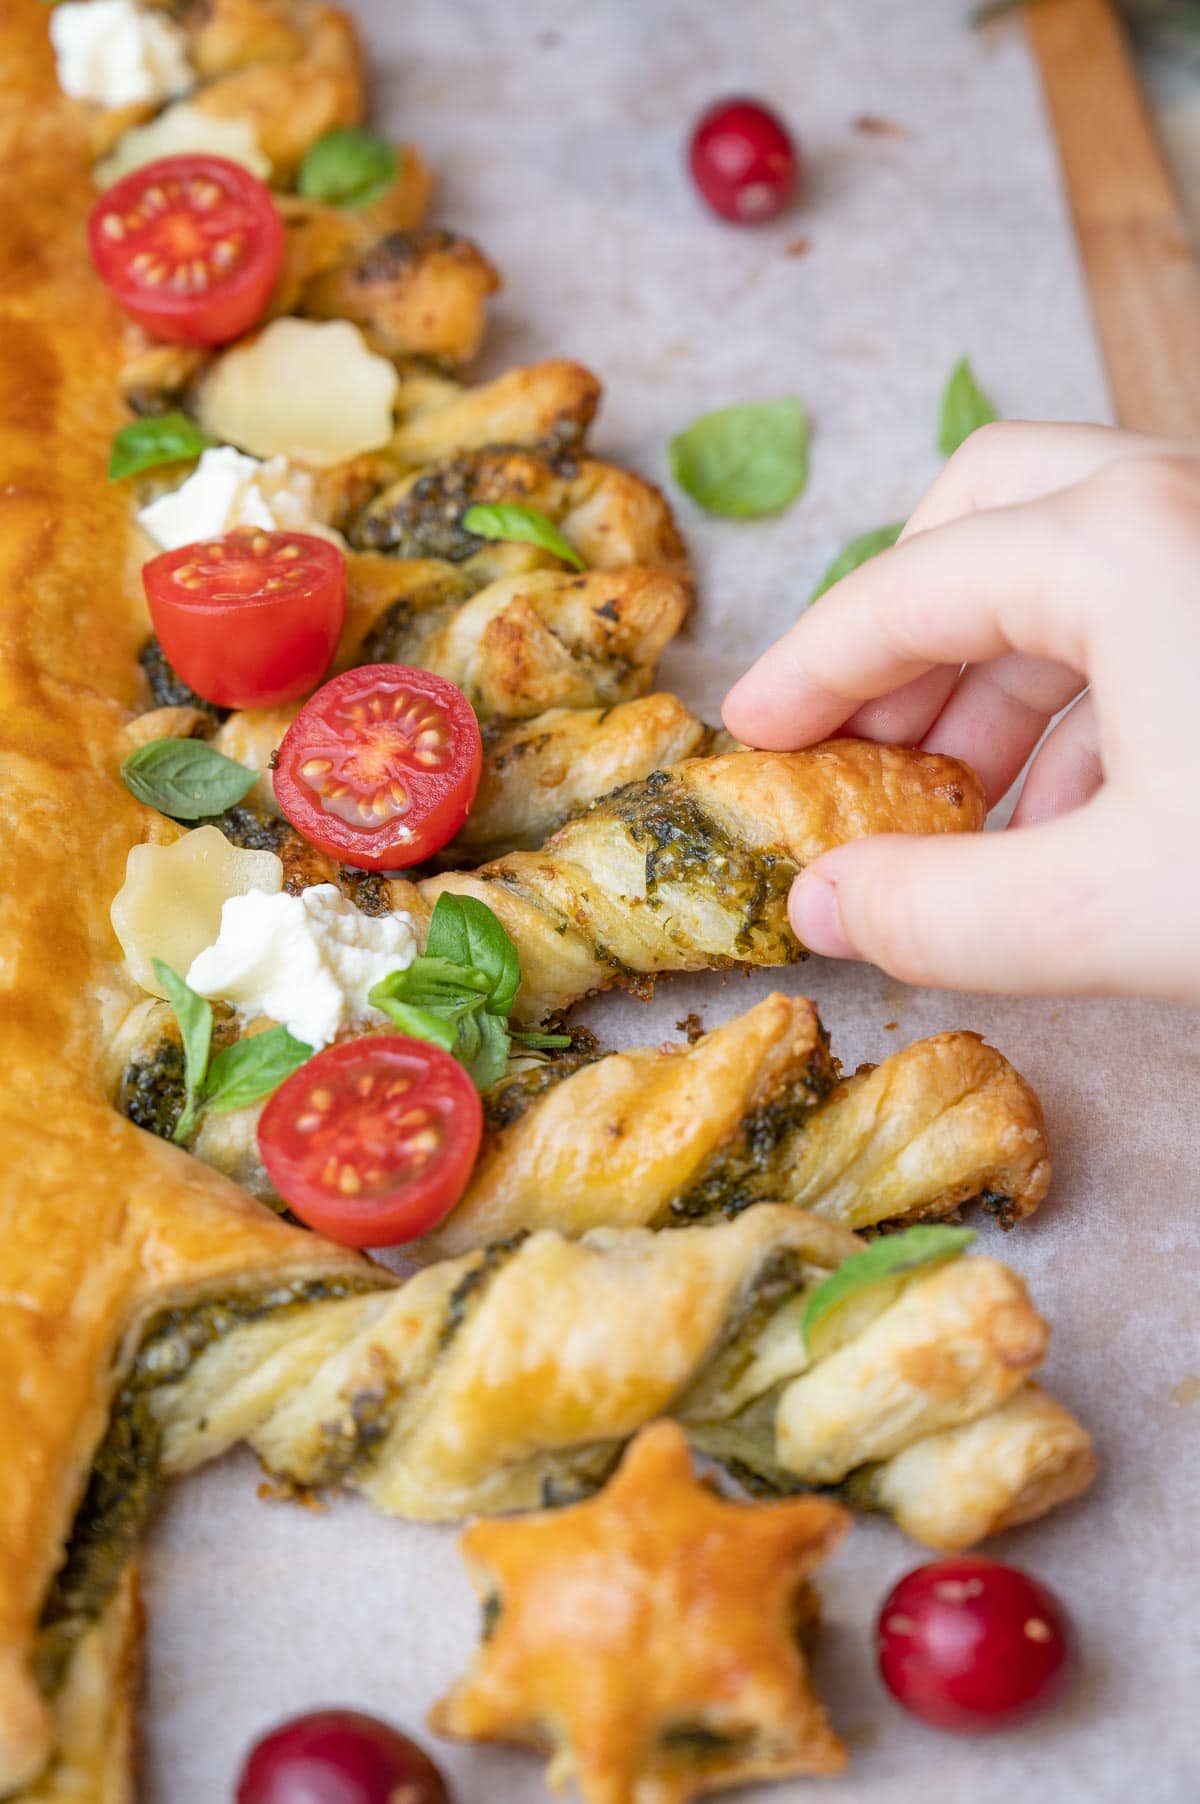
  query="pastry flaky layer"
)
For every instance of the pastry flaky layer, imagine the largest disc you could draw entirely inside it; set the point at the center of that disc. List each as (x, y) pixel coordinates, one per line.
(512, 1376)
(660, 1136)
(99, 1224)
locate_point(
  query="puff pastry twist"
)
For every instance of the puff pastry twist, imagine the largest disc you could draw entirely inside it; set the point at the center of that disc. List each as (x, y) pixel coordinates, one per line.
(661, 1136)
(511, 1376)
(690, 869)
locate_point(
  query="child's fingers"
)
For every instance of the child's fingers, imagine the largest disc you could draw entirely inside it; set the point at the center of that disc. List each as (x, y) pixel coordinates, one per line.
(971, 590)
(998, 466)
(1067, 771)
(998, 712)
(1015, 460)
(906, 715)
(1040, 911)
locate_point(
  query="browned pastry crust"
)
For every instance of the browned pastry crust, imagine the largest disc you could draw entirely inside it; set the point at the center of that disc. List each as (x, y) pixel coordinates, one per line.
(99, 1223)
(649, 1639)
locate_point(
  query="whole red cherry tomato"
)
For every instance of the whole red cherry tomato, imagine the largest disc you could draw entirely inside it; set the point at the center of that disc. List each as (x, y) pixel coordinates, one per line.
(251, 619)
(380, 766)
(744, 161)
(190, 246)
(971, 1645)
(339, 1757)
(372, 1141)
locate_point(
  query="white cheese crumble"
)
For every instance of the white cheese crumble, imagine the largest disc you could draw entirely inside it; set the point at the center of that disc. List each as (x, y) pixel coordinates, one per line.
(184, 130)
(228, 489)
(306, 960)
(115, 54)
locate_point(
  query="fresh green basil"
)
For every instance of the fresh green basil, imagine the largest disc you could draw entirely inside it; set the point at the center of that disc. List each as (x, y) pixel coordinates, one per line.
(541, 1042)
(486, 1042)
(859, 551)
(241, 1073)
(744, 461)
(168, 438)
(458, 995)
(522, 526)
(464, 931)
(195, 1019)
(186, 778)
(964, 408)
(348, 167)
(440, 1028)
(247, 1070)
(891, 1256)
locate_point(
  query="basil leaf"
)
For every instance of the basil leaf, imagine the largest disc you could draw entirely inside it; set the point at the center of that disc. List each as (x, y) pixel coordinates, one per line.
(522, 526)
(419, 1023)
(464, 931)
(186, 778)
(744, 461)
(195, 1019)
(433, 983)
(489, 1060)
(169, 438)
(964, 408)
(888, 1257)
(247, 1070)
(349, 167)
(859, 551)
(542, 1042)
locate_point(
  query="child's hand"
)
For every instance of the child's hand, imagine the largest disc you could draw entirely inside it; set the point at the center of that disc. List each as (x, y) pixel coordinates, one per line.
(1061, 565)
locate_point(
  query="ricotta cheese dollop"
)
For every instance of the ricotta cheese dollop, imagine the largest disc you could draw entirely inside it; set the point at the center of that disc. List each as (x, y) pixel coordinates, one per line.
(228, 489)
(306, 960)
(114, 54)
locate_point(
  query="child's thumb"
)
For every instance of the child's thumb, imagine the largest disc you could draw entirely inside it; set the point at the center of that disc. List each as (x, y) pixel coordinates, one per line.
(1031, 910)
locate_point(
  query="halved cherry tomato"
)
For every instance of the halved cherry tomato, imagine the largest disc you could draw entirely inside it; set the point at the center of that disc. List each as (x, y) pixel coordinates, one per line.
(251, 619)
(381, 766)
(190, 246)
(372, 1141)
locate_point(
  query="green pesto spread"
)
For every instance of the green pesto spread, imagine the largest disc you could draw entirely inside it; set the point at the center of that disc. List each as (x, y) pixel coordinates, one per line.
(472, 1284)
(697, 1742)
(125, 1473)
(749, 1167)
(507, 1101)
(684, 845)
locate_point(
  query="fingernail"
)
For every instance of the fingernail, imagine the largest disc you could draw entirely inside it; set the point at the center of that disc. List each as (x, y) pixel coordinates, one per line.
(816, 918)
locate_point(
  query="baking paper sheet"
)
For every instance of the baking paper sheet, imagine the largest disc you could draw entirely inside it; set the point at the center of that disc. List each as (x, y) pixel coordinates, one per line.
(557, 132)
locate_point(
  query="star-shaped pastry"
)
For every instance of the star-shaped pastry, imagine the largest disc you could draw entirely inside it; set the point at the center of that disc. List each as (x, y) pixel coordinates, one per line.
(650, 1637)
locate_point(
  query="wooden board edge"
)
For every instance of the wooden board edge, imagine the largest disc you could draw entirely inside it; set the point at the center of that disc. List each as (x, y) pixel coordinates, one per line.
(1143, 279)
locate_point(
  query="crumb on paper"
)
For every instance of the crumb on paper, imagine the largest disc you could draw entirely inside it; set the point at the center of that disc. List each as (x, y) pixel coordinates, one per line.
(875, 125)
(798, 247)
(889, 1027)
(692, 1025)
(1186, 1391)
(282, 1490)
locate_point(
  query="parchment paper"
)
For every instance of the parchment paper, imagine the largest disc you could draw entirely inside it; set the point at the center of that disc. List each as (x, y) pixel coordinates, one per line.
(557, 132)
